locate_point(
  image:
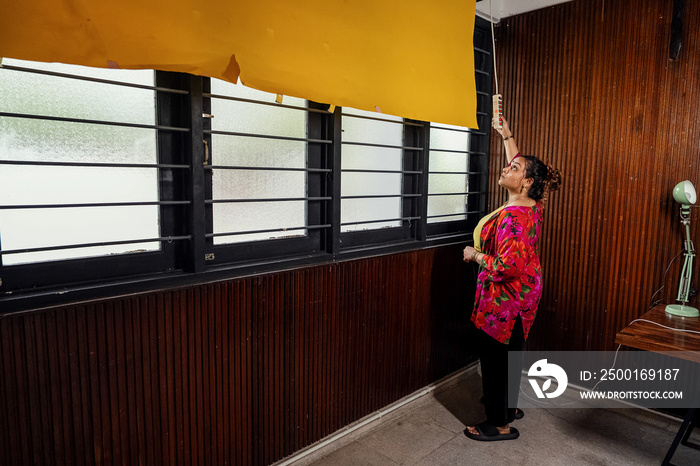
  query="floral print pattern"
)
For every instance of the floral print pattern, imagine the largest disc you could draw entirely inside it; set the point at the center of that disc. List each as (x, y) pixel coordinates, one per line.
(510, 277)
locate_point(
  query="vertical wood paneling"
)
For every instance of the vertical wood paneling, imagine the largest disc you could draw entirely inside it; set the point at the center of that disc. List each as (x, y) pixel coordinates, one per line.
(241, 372)
(588, 87)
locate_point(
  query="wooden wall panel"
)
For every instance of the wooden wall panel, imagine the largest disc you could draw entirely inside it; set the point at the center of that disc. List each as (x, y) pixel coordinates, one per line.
(243, 372)
(588, 87)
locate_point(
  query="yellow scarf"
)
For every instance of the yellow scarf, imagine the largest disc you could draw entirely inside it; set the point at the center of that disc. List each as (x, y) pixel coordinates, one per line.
(480, 225)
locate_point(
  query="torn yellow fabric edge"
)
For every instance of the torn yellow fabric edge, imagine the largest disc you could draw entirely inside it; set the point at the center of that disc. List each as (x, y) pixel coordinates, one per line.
(411, 58)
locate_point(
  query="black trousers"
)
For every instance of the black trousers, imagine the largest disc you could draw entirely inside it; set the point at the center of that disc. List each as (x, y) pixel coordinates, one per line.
(494, 375)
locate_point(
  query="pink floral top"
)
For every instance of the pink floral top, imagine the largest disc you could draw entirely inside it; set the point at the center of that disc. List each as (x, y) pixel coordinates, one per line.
(510, 278)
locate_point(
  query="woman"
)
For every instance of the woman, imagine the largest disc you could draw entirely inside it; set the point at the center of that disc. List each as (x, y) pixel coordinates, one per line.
(509, 284)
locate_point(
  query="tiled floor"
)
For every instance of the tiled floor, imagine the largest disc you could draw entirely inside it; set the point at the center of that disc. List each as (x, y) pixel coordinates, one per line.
(428, 431)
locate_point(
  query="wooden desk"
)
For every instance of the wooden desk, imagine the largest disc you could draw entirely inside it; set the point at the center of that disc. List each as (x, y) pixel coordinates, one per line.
(686, 345)
(650, 337)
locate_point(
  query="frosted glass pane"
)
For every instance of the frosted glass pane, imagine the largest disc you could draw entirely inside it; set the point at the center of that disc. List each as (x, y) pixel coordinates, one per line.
(256, 184)
(256, 118)
(250, 216)
(447, 205)
(55, 227)
(371, 158)
(448, 137)
(443, 205)
(23, 139)
(57, 141)
(257, 152)
(448, 162)
(370, 183)
(447, 183)
(250, 117)
(452, 138)
(71, 185)
(358, 210)
(371, 130)
(38, 94)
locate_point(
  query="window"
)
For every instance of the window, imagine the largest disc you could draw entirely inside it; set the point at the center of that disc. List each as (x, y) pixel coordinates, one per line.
(379, 168)
(114, 176)
(449, 170)
(48, 152)
(267, 170)
(372, 159)
(258, 163)
(80, 171)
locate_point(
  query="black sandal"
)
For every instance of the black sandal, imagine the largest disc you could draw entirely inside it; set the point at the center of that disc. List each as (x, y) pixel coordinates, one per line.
(489, 433)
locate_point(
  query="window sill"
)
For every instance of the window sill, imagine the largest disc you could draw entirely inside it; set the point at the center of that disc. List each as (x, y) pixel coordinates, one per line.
(40, 300)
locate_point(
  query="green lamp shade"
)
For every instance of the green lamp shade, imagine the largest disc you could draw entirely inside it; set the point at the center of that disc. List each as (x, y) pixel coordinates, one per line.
(684, 193)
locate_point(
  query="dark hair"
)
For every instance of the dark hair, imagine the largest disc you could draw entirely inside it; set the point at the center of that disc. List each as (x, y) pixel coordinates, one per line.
(545, 179)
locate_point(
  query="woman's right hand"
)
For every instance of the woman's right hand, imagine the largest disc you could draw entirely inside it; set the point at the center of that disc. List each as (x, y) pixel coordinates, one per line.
(504, 131)
(469, 253)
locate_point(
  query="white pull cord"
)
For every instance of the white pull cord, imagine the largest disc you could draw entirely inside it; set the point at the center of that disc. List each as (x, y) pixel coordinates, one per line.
(493, 42)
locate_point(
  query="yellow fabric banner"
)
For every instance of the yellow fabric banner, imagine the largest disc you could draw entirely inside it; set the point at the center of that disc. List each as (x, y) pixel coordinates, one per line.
(411, 58)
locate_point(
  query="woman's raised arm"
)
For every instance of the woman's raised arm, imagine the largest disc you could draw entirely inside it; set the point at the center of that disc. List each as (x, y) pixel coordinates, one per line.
(508, 139)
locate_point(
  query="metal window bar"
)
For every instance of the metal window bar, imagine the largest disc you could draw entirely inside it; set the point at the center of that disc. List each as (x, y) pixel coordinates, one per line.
(262, 102)
(454, 173)
(267, 136)
(93, 164)
(277, 199)
(362, 222)
(93, 122)
(451, 151)
(283, 169)
(367, 170)
(91, 245)
(458, 217)
(380, 196)
(460, 130)
(91, 79)
(470, 212)
(386, 146)
(400, 122)
(455, 151)
(97, 204)
(270, 230)
(457, 194)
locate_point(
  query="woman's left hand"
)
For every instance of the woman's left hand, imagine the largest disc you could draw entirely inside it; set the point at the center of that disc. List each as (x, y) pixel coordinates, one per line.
(468, 253)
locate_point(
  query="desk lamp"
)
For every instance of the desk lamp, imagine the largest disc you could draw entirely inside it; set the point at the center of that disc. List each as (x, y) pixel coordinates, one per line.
(684, 194)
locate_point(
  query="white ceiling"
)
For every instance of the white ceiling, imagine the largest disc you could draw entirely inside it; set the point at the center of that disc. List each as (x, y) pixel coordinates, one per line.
(505, 8)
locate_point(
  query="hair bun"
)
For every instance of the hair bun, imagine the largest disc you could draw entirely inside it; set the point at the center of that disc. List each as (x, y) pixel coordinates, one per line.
(553, 179)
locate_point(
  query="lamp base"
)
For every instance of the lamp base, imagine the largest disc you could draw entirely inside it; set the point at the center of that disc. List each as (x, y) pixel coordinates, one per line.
(682, 310)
